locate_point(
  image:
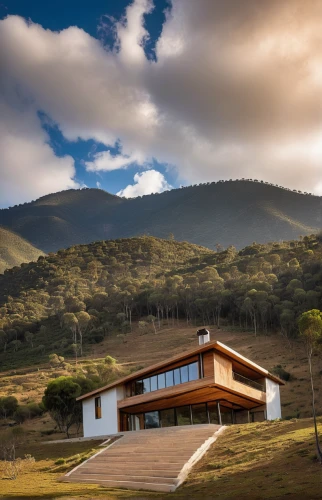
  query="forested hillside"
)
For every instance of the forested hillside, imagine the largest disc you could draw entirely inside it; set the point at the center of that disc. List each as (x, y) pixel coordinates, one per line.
(66, 301)
(225, 213)
(14, 250)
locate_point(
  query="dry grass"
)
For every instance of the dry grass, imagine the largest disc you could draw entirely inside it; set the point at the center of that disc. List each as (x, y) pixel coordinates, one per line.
(269, 460)
(137, 350)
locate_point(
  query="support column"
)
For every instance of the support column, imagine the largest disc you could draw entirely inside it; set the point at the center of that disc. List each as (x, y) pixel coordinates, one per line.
(219, 413)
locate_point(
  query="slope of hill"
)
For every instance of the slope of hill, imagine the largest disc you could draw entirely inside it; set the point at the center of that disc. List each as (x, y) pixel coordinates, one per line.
(230, 213)
(82, 294)
(14, 250)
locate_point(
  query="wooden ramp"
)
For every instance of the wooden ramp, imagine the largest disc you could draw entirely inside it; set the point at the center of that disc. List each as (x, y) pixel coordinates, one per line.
(152, 459)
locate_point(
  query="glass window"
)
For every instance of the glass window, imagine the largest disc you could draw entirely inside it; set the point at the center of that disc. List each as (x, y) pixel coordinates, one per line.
(199, 414)
(226, 416)
(167, 418)
(183, 415)
(161, 381)
(193, 371)
(138, 387)
(169, 378)
(154, 383)
(98, 408)
(152, 420)
(177, 378)
(213, 413)
(184, 374)
(146, 385)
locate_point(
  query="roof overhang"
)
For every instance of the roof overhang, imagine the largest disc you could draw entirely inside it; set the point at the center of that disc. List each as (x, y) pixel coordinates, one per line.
(215, 345)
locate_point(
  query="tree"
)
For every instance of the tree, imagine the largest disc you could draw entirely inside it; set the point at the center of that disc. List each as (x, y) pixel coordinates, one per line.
(60, 400)
(310, 326)
(8, 406)
(83, 318)
(70, 321)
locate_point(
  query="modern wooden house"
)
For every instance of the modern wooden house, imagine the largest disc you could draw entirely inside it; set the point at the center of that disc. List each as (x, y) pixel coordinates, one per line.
(209, 384)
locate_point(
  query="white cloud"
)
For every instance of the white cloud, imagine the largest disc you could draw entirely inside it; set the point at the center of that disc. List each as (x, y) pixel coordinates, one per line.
(150, 181)
(233, 93)
(105, 162)
(29, 166)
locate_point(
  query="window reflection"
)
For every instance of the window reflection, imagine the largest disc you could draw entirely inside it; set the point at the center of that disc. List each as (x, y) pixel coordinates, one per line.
(184, 374)
(193, 371)
(161, 381)
(169, 379)
(180, 375)
(146, 385)
(177, 378)
(154, 383)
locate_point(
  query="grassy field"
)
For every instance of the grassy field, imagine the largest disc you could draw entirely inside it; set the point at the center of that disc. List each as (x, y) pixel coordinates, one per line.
(267, 460)
(137, 350)
(270, 460)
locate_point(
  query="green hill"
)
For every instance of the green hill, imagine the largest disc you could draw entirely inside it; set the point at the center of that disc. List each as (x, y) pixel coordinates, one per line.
(227, 213)
(105, 286)
(14, 250)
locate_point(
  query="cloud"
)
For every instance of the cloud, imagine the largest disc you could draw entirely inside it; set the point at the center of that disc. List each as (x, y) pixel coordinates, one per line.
(105, 162)
(148, 182)
(234, 92)
(31, 169)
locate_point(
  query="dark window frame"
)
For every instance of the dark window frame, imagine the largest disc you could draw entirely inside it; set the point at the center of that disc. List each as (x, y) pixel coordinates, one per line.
(98, 407)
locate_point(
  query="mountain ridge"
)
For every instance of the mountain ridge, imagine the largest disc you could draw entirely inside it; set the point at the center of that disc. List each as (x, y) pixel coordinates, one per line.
(229, 213)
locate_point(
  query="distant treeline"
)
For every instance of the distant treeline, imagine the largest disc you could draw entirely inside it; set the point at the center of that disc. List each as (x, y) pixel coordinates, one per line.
(77, 296)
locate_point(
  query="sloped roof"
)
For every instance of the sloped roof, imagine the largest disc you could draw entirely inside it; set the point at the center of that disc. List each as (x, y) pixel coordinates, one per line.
(214, 345)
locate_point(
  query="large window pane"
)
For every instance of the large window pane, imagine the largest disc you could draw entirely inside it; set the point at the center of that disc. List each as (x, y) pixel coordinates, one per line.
(161, 381)
(146, 385)
(226, 417)
(199, 414)
(193, 371)
(152, 420)
(167, 418)
(183, 415)
(184, 374)
(169, 378)
(138, 387)
(213, 413)
(177, 378)
(154, 383)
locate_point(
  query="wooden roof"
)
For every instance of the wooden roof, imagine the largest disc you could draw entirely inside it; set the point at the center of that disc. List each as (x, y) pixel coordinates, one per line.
(215, 345)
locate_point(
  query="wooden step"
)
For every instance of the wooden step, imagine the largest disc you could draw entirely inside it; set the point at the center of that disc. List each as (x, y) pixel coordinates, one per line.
(133, 467)
(133, 472)
(128, 477)
(149, 460)
(166, 488)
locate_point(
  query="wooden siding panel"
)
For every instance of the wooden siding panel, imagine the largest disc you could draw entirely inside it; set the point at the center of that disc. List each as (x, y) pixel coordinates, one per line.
(223, 370)
(208, 364)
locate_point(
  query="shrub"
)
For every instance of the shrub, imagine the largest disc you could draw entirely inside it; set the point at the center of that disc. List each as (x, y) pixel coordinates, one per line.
(60, 461)
(281, 373)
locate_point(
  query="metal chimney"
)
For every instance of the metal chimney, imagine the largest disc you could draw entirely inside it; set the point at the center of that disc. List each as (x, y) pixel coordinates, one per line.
(203, 336)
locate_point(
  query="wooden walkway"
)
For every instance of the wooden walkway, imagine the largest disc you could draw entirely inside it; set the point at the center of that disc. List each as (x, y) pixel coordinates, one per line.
(152, 459)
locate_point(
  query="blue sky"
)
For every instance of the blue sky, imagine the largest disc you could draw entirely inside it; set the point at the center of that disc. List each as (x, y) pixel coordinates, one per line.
(90, 16)
(142, 96)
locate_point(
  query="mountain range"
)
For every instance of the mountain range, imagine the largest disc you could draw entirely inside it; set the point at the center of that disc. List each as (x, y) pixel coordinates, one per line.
(226, 213)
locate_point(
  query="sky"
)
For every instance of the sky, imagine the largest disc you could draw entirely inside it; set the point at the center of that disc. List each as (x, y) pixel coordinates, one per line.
(138, 97)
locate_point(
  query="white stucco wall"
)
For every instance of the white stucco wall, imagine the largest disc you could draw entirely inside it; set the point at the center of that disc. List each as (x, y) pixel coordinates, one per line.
(108, 424)
(273, 400)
